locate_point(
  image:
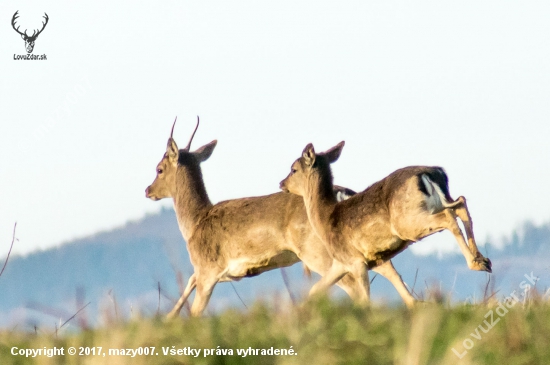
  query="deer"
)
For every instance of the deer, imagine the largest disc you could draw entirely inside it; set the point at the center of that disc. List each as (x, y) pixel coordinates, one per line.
(29, 39)
(371, 227)
(245, 237)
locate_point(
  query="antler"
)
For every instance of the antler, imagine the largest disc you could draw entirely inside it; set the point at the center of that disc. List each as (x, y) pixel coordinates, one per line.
(173, 125)
(13, 19)
(43, 26)
(34, 34)
(188, 147)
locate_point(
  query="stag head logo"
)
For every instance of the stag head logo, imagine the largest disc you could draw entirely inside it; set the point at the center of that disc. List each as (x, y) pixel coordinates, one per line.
(29, 40)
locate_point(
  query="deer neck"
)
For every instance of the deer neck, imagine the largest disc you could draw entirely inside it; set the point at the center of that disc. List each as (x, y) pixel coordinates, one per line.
(320, 200)
(190, 199)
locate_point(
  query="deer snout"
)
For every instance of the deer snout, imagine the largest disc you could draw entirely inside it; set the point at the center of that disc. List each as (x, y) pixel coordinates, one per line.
(282, 186)
(148, 193)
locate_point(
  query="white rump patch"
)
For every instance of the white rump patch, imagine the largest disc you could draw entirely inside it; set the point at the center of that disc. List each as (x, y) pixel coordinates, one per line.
(341, 196)
(435, 201)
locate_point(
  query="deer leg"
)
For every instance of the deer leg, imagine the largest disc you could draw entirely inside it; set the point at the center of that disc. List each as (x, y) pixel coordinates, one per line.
(447, 220)
(360, 272)
(336, 271)
(202, 295)
(191, 284)
(464, 214)
(388, 271)
(318, 259)
(352, 287)
(411, 230)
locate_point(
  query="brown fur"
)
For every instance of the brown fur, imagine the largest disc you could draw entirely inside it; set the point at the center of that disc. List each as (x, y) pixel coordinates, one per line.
(373, 226)
(237, 238)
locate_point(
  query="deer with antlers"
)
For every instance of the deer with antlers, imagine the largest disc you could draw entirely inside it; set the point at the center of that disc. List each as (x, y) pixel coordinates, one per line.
(29, 40)
(371, 227)
(242, 237)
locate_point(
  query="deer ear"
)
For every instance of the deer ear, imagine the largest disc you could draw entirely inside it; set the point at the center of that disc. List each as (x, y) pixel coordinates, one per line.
(334, 153)
(204, 152)
(309, 155)
(172, 150)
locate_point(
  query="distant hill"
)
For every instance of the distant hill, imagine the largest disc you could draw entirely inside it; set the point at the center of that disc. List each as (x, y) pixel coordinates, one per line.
(127, 265)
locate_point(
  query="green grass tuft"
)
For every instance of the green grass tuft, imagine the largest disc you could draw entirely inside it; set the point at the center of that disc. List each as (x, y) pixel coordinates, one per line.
(324, 332)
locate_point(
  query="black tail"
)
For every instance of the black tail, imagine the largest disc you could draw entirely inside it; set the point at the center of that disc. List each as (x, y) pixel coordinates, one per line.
(343, 193)
(439, 177)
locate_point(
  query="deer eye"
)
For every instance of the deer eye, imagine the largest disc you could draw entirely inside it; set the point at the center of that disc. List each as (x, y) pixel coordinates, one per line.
(159, 171)
(293, 171)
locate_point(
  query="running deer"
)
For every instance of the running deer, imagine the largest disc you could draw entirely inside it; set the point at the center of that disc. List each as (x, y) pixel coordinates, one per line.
(371, 227)
(242, 237)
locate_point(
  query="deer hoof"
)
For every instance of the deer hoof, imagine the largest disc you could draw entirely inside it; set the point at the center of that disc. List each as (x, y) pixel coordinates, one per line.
(482, 264)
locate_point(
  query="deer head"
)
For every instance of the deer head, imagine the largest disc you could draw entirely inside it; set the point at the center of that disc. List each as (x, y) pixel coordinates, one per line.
(29, 40)
(308, 165)
(165, 182)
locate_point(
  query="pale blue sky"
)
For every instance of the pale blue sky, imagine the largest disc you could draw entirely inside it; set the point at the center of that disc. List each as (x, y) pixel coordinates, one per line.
(464, 85)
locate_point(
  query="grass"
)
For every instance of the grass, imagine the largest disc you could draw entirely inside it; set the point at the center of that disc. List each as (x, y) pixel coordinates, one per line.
(324, 332)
